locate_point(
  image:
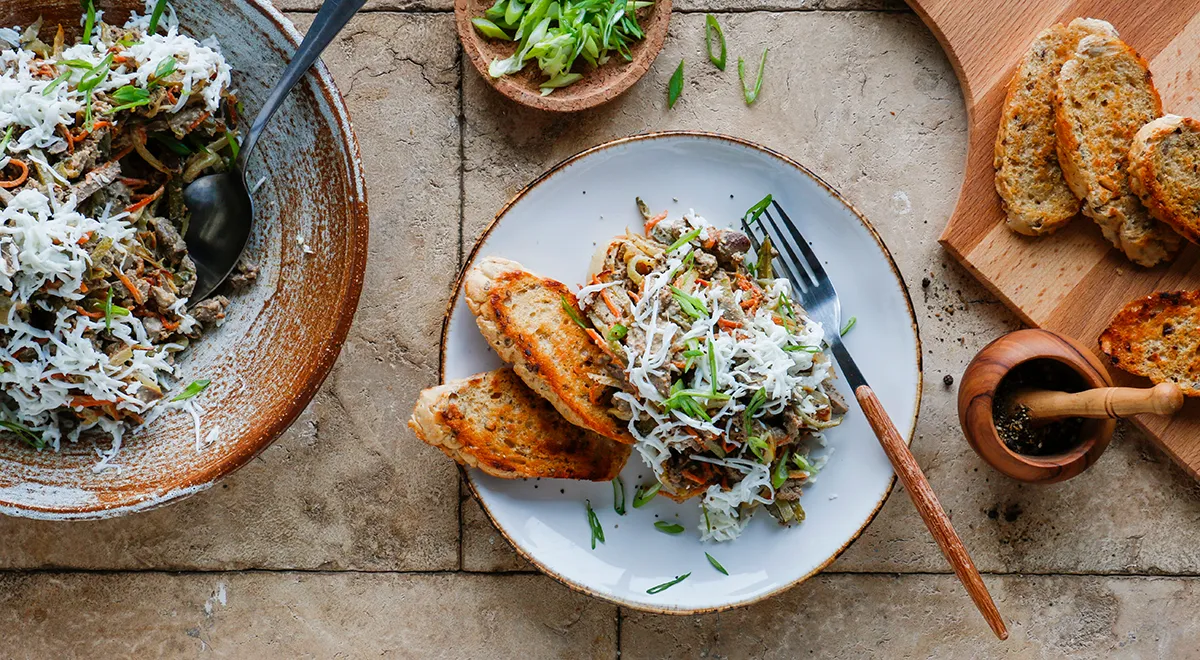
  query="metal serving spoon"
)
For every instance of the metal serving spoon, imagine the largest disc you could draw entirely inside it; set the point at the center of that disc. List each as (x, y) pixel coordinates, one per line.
(220, 204)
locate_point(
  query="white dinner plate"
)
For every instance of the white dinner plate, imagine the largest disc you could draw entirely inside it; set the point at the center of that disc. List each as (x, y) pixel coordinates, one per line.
(552, 227)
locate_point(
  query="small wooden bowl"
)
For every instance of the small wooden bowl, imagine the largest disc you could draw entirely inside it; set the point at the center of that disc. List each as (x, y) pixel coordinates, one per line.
(978, 388)
(598, 85)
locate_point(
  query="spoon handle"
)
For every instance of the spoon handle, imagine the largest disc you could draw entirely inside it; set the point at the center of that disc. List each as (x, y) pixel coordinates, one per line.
(1102, 402)
(332, 17)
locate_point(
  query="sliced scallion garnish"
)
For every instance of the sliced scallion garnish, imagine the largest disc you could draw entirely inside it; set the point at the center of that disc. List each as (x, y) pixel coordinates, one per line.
(780, 474)
(712, 366)
(807, 349)
(4, 143)
(684, 240)
(668, 527)
(618, 496)
(753, 212)
(849, 324)
(711, 27)
(489, 29)
(675, 88)
(716, 564)
(616, 332)
(24, 433)
(156, 16)
(165, 68)
(594, 523)
(751, 95)
(692, 306)
(572, 312)
(667, 585)
(89, 23)
(642, 496)
(62, 78)
(756, 402)
(196, 387)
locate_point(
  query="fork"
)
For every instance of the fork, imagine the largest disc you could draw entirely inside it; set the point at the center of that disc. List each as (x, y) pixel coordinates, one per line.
(799, 264)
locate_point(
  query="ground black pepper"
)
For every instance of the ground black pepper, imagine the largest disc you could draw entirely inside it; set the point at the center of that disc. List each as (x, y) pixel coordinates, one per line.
(1019, 432)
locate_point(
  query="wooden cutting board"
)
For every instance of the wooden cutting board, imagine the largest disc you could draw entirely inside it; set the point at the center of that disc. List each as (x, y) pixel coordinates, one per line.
(1073, 281)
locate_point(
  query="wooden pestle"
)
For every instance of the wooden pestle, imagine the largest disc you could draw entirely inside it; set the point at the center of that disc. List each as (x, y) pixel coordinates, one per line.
(1101, 402)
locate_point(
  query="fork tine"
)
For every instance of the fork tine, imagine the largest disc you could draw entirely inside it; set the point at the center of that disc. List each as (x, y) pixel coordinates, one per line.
(810, 258)
(750, 234)
(783, 264)
(778, 237)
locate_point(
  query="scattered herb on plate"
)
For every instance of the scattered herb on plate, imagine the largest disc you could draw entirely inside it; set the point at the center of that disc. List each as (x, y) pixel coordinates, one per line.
(618, 496)
(668, 527)
(716, 564)
(642, 496)
(194, 388)
(849, 324)
(667, 585)
(594, 523)
(753, 213)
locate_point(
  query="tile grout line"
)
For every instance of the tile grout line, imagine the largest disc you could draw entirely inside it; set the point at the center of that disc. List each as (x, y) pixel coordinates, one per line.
(462, 221)
(454, 571)
(728, 10)
(620, 615)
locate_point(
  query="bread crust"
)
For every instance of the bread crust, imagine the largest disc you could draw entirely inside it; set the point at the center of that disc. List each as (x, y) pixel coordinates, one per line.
(1158, 336)
(1145, 156)
(559, 361)
(1090, 99)
(494, 422)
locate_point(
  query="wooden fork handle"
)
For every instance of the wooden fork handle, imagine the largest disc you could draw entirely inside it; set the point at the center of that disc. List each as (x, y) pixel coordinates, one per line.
(927, 504)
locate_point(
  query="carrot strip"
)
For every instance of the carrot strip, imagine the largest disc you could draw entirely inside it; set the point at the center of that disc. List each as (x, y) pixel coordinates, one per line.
(650, 224)
(612, 307)
(196, 124)
(727, 324)
(692, 477)
(20, 179)
(141, 204)
(66, 133)
(89, 402)
(171, 326)
(87, 236)
(636, 298)
(137, 295)
(90, 315)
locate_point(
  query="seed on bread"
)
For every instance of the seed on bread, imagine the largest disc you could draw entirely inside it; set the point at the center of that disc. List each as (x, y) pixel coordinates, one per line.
(1103, 96)
(1033, 192)
(1158, 337)
(1164, 171)
(494, 422)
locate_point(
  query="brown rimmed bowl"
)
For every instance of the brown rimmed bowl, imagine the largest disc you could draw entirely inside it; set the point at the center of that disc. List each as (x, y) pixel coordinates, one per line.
(281, 336)
(976, 395)
(598, 85)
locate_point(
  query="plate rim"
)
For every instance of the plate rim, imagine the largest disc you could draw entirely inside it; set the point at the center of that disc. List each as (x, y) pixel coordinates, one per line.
(470, 257)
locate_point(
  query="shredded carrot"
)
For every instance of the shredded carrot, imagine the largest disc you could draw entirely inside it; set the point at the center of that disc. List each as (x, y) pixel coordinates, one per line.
(691, 431)
(636, 298)
(692, 477)
(171, 326)
(21, 178)
(143, 203)
(90, 315)
(87, 236)
(137, 295)
(89, 402)
(123, 153)
(727, 324)
(612, 307)
(132, 183)
(709, 242)
(83, 132)
(650, 224)
(196, 124)
(83, 287)
(701, 281)
(66, 133)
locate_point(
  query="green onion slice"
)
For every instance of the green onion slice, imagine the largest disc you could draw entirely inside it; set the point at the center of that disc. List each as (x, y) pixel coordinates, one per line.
(667, 585)
(49, 89)
(618, 496)
(165, 68)
(90, 22)
(642, 496)
(849, 324)
(712, 366)
(196, 387)
(756, 402)
(675, 88)
(755, 211)
(684, 240)
(692, 306)
(489, 29)
(156, 15)
(716, 564)
(24, 433)
(4, 143)
(616, 332)
(751, 95)
(780, 475)
(573, 313)
(594, 523)
(807, 349)
(668, 527)
(711, 27)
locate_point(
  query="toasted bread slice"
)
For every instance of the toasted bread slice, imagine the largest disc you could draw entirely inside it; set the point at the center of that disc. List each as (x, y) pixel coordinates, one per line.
(1164, 170)
(494, 422)
(1104, 95)
(1033, 192)
(524, 318)
(1158, 337)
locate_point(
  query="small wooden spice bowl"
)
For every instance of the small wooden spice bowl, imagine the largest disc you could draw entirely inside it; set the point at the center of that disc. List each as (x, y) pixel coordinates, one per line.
(977, 393)
(598, 85)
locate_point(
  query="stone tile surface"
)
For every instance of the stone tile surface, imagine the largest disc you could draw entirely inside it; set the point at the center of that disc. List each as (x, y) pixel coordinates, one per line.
(680, 5)
(930, 616)
(348, 486)
(300, 615)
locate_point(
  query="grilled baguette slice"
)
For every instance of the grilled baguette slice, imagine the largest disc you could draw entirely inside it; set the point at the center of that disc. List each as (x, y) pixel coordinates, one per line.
(1158, 337)
(494, 422)
(523, 317)
(1033, 192)
(1164, 170)
(1104, 95)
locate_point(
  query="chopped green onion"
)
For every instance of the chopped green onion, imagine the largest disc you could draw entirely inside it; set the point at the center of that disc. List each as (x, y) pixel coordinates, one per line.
(849, 324)
(668, 527)
(130, 97)
(235, 147)
(759, 447)
(716, 564)
(751, 95)
(675, 88)
(571, 312)
(165, 68)
(96, 75)
(156, 15)
(756, 402)
(594, 523)
(803, 463)
(616, 332)
(513, 13)
(785, 305)
(712, 366)
(711, 27)
(75, 63)
(196, 387)
(692, 306)
(692, 354)
(170, 142)
(642, 496)
(755, 211)
(89, 23)
(4, 143)
(49, 89)
(707, 522)
(685, 239)
(806, 349)
(667, 585)
(618, 496)
(780, 475)
(24, 433)
(111, 310)
(489, 29)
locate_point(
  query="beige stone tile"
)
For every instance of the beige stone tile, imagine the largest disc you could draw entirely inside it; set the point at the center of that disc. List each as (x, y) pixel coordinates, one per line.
(348, 486)
(685, 5)
(484, 548)
(300, 615)
(930, 616)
